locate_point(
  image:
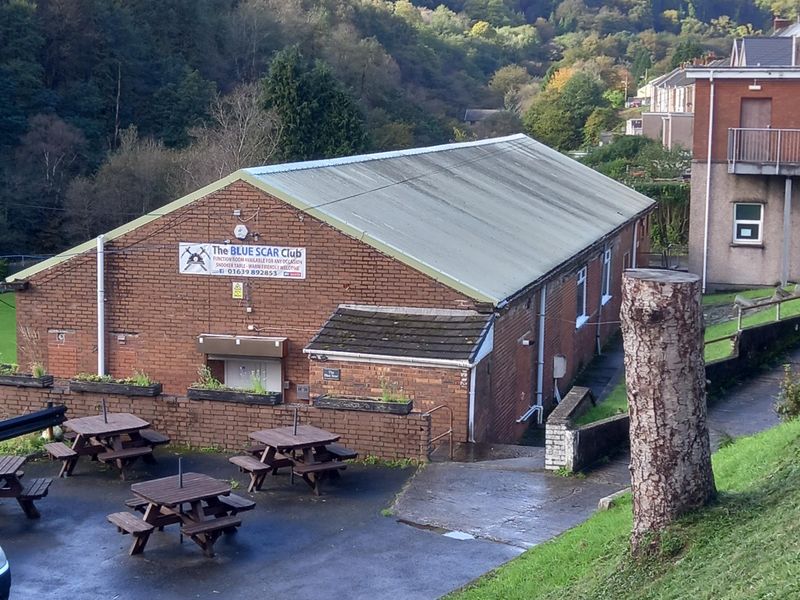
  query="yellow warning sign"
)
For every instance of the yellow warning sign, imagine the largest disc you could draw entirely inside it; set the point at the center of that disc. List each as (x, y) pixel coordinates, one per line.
(238, 290)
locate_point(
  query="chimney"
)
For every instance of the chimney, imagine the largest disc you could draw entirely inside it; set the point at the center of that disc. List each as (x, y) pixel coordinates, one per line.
(780, 23)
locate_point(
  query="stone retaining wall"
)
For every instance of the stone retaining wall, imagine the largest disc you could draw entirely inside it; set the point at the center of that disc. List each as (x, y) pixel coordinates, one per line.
(225, 425)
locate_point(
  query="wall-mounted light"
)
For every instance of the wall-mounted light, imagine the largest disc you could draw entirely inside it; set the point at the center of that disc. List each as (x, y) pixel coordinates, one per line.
(755, 86)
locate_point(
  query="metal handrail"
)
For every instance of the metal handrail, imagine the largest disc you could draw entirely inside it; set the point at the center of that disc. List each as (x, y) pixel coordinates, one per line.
(449, 432)
(764, 146)
(755, 307)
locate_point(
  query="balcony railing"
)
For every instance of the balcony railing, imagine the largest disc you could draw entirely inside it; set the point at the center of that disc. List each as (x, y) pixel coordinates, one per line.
(764, 151)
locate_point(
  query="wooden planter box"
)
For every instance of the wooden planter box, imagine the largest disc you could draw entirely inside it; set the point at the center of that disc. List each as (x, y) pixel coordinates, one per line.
(234, 396)
(25, 380)
(124, 389)
(365, 404)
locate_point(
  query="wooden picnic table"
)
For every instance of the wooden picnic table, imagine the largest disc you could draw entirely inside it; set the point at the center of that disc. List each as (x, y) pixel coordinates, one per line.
(11, 485)
(194, 505)
(115, 438)
(312, 463)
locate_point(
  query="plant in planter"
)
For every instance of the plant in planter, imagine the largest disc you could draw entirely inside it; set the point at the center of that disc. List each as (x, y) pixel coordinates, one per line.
(392, 400)
(38, 377)
(207, 387)
(139, 384)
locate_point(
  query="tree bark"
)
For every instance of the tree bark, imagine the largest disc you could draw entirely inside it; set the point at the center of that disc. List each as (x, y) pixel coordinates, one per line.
(662, 328)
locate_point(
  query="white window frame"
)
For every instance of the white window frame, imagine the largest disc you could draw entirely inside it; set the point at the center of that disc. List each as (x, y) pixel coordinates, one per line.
(582, 280)
(605, 286)
(737, 222)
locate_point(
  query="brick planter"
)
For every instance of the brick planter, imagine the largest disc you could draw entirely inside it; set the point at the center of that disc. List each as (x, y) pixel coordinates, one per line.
(364, 404)
(234, 396)
(124, 389)
(25, 380)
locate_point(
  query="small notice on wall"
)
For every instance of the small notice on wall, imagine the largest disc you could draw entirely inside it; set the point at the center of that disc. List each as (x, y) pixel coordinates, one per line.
(238, 290)
(243, 261)
(331, 374)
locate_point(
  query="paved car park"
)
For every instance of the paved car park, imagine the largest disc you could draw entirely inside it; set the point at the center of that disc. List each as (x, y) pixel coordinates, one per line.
(293, 545)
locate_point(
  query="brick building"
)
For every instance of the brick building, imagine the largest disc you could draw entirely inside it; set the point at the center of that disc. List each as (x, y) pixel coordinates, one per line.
(746, 153)
(479, 275)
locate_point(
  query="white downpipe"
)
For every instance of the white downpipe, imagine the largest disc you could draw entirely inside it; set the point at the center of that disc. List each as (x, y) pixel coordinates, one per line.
(471, 424)
(635, 243)
(540, 366)
(708, 179)
(787, 231)
(101, 308)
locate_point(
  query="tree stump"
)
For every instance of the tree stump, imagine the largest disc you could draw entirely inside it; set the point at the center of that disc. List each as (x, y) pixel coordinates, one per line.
(662, 328)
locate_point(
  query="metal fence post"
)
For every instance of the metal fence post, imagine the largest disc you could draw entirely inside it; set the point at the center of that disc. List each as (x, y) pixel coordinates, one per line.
(739, 319)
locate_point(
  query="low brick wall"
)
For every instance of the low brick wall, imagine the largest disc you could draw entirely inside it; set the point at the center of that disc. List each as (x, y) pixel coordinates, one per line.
(225, 425)
(574, 447)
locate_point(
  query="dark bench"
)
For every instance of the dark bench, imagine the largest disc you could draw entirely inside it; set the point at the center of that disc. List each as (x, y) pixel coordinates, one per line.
(68, 456)
(33, 422)
(339, 452)
(129, 523)
(121, 457)
(313, 472)
(254, 467)
(35, 489)
(210, 530)
(236, 504)
(154, 438)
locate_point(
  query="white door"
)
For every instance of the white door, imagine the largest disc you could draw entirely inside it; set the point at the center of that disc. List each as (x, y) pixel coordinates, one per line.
(241, 373)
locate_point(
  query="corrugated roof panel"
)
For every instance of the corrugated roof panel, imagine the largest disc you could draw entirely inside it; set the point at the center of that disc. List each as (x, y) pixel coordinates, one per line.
(494, 215)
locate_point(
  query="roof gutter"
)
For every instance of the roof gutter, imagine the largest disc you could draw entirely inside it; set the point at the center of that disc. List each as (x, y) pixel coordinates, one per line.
(324, 355)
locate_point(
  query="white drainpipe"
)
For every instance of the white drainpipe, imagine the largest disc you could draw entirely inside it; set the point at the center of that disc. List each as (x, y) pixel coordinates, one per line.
(708, 179)
(787, 231)
(540, 366)
(471, 422)
(101, 309)
(635, 243)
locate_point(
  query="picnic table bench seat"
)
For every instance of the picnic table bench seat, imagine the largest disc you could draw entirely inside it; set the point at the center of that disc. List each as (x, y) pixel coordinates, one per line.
(237, 504)
(60, 451)
(313, 472)
(130, 523)
(278, 460)
(254, 467)
(205, 533)
(137, 504)
(125, 453)
(154, 438)
(339, 452)
(35, 489)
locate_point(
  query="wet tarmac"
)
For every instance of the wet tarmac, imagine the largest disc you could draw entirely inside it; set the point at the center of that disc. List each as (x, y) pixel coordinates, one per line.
(293, 545)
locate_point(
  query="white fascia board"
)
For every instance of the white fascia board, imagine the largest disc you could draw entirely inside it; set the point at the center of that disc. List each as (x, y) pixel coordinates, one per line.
(390, 360)
(745, 73)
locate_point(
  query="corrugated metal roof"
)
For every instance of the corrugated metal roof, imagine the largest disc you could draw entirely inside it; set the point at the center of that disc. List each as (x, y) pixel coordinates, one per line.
(792, 30)
(383, 331)
(487, 218)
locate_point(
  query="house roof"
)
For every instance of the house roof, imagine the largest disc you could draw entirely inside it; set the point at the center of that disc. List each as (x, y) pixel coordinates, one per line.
(406, 333)
(764, 52)
(486, 218)
(792, 30)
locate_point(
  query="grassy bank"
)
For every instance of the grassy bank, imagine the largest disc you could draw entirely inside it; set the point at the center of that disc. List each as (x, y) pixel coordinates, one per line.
(743, 547)
(8, 329)
(616, 403)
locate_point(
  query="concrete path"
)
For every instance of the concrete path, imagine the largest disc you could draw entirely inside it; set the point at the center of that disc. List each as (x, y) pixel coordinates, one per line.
(514, 501)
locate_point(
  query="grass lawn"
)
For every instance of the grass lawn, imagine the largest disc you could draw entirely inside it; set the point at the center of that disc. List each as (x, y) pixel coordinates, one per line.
(742, 547)
(8, 329)
(616, 403)
(728, 297)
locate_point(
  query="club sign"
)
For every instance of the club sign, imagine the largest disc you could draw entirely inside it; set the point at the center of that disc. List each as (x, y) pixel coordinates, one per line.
(241, 261)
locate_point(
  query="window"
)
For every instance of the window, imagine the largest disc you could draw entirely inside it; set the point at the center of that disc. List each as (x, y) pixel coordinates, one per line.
(747, 222)
(606, 284)
(580, 314)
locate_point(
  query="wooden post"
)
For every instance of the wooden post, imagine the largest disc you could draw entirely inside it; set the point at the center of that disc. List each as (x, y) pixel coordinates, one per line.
(662, 328)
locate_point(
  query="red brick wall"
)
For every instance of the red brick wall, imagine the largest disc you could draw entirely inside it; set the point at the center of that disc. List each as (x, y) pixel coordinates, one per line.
(154, 314)
(728, 94)
(511, 375)
(428, 387)
(225, 425)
